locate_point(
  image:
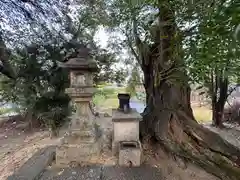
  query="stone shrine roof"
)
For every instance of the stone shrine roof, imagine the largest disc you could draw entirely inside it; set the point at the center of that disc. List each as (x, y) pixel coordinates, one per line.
(79, 64)
(82, 61)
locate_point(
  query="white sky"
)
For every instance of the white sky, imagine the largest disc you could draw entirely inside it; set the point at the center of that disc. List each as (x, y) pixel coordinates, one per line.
(101, 37)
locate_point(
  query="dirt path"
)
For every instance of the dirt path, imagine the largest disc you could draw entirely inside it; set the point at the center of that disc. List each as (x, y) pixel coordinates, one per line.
(17, 146)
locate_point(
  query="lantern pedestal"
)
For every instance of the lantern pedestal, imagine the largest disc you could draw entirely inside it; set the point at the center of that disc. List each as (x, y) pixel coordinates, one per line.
(80, 144)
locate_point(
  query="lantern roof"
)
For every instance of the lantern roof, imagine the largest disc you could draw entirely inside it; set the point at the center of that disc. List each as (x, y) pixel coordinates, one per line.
(81, 60)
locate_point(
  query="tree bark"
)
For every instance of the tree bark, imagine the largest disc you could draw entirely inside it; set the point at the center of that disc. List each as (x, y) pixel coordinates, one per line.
(168, 117)
(218, 103)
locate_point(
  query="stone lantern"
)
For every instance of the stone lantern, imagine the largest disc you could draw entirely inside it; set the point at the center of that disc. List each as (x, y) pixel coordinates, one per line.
(80, 143)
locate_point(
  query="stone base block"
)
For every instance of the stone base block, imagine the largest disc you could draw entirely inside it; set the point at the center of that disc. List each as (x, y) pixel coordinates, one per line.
(76, 153)
(129, 153)
(79, 137)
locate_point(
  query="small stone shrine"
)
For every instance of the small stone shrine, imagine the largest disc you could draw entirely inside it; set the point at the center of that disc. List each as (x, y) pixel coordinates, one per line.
(126, 133)
(80, 143)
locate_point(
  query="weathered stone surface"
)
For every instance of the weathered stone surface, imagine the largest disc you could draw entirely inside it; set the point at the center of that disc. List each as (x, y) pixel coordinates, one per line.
(103, 173)
(77, 137)
(79, 153)
(80, 144)
(80, 123)
(77, 173)
(130, 154)
(133, 115)
(125, 127)
(75, 92)
(136, 173)
(126, 131)
(106, 115)
(35, 165)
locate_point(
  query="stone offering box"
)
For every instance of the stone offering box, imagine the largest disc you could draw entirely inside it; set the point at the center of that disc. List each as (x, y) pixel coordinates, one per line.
(125, 127)
(130, 153)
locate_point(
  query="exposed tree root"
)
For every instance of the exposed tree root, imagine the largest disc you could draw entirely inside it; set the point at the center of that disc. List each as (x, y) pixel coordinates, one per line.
(189, 140)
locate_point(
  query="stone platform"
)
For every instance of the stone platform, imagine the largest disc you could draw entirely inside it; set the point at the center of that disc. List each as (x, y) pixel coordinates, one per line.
(103, 173)
(39, 167)
(78, 147)
(76, 153)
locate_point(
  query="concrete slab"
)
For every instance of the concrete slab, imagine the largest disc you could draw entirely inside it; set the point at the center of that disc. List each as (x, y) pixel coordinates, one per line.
(77, 173)
(103, 173)
(134, 173)
(35, 165)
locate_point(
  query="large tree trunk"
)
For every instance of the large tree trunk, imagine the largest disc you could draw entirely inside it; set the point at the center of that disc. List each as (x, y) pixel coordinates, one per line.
(168, 117)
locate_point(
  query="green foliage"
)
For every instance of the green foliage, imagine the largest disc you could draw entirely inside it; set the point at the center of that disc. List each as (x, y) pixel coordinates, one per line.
(105, 92)
(213, 53)
(108, 91)
(107, 73)
(133, 81)
(98, 99)
(102, 85)
(214, 50)
(40, 83)
(5, 110)
(106, 97)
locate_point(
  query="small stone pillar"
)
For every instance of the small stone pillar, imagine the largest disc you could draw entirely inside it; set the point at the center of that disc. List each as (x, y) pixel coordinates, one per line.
(126, 136)
(80, 143)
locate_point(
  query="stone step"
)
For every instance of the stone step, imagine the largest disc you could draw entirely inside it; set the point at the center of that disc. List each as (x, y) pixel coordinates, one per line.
(33, 168)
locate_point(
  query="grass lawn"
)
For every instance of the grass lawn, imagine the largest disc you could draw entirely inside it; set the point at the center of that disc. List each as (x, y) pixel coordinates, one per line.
(202, 114)
(110, 103)
(109, 100)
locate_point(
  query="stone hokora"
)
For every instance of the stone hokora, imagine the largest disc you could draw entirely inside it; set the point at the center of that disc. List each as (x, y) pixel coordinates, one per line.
(125, 127)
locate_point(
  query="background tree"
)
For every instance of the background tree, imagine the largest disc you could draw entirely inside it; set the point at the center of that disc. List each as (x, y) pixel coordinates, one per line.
(214, 56)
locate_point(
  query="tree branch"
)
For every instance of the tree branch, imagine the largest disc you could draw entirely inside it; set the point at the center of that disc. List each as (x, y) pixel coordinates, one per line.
(132, 48)
(135, 32)
(231, 90)
(5, 67)
(190, 31)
